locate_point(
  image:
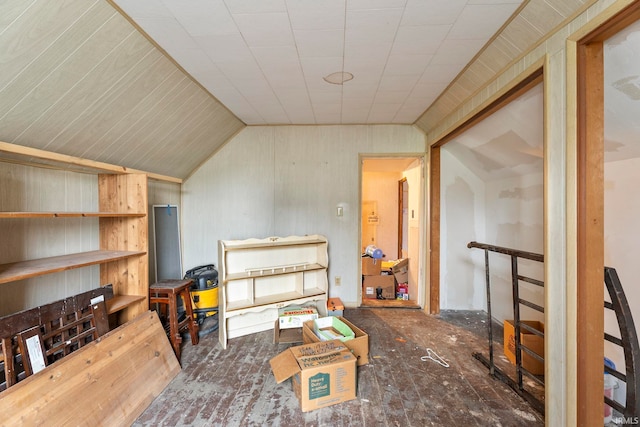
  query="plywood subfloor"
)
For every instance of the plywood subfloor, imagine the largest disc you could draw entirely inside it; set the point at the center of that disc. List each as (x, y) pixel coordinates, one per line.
(235, 387)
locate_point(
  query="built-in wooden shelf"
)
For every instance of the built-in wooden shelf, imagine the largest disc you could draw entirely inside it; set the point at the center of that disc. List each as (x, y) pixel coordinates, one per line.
(120, 302)
(70, 215)
(37, 267)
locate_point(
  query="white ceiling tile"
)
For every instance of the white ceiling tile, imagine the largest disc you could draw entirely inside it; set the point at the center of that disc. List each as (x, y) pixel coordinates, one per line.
(326, 97)
(375, 4)
(267, 54)
(391, 96)
(419, 39)
(255, 6)
(407, 64)
(440, 73)
(382, 113)
(266, 29)
(202, 17)
(316, 15)
(224, 47)
(457, 52)
(432, 12)
(168, 33)
(320, 42)
(242, 70)
(481, 21)
(315, 68)
(404, 82)
(354, 116)
(373, 25)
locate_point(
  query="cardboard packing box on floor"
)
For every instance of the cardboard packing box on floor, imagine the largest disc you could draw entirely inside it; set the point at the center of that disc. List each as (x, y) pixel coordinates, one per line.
(322, 373)
(532, 341)
(386, 282)
(359, 345)
(335, 307)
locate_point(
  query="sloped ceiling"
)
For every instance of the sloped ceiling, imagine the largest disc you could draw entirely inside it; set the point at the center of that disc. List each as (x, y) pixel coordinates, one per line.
(80, 78)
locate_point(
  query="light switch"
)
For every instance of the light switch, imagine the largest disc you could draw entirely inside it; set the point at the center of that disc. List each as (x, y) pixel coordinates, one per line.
(339, 211)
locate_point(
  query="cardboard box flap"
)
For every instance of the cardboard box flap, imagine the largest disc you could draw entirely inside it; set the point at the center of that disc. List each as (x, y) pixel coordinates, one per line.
(294, 359)
(335, 304)
(284, 366)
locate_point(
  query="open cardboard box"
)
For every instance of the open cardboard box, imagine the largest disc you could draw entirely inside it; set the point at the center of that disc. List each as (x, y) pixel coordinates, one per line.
(359, 344)
(322, 373)
(532, 341)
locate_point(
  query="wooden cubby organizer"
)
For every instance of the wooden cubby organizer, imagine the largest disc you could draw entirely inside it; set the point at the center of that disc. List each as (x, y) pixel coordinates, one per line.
(259, 276)
(122, 256)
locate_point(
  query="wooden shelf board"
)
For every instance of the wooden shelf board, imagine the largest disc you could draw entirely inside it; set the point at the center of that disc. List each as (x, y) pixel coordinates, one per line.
(25, 269)
(71, 215)
(283, 298)
(120, 302)
(273, 271)
(249, 244)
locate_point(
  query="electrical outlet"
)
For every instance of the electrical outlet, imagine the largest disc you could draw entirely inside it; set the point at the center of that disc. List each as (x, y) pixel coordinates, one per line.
(338, 280)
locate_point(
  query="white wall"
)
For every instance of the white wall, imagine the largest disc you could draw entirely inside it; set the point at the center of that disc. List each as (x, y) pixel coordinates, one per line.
(382, 187)
(462, 220)
(622, 244)
(414, 176)
(514, 220)
(503, 212)
(288, 180)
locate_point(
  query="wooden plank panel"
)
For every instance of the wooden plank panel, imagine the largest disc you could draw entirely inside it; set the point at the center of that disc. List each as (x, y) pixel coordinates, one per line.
(110, 381)
(33, 31)
(69, 73)
(106, 71)
(59, 49)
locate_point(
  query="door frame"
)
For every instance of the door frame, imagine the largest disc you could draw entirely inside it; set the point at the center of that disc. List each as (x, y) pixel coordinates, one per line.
(422, 220)
(589, 162)
(533, 78)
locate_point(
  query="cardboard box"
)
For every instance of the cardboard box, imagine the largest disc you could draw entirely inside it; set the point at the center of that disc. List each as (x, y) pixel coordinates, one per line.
(400, 270)
(386, 282)
(286, 336)
(359, 345)
(335, 307)
(370, 266)
(332, 328)
(294, 316)
(322, 373)
(529, 340)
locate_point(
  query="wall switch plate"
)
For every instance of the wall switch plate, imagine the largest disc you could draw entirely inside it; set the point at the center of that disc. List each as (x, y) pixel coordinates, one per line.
(339, 211)
(338, 280)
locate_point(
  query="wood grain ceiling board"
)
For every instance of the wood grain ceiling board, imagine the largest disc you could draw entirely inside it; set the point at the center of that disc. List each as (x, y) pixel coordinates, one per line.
(535, 21)
(77, 78)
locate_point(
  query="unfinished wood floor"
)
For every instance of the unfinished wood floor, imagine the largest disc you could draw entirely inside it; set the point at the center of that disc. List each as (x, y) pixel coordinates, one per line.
(235, 387)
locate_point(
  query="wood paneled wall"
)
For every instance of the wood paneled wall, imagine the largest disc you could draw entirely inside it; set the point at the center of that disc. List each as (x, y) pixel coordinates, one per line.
(288, 180)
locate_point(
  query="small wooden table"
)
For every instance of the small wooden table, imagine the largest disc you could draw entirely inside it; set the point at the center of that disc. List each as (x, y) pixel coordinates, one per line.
(167, 292)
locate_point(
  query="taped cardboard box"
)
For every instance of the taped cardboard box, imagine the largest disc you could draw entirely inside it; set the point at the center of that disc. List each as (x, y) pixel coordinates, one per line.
(358, 345)
(385, 282)
(322, 373)
(532, 341)
(294, 316)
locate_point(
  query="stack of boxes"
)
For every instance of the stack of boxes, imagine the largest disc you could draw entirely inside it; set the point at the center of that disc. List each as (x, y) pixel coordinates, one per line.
(376, 285)
(385, 279)
(322, 370)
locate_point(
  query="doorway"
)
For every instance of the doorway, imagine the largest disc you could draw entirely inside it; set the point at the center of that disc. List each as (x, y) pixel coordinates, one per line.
(392, 224)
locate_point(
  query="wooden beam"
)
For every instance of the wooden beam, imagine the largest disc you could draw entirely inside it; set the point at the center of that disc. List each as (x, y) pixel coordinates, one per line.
(590, 246)
(434, 260)
(110, 381)
(29, 153)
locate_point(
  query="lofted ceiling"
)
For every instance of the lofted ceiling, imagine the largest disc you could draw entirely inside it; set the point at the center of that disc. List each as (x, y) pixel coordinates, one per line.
(161, 85)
